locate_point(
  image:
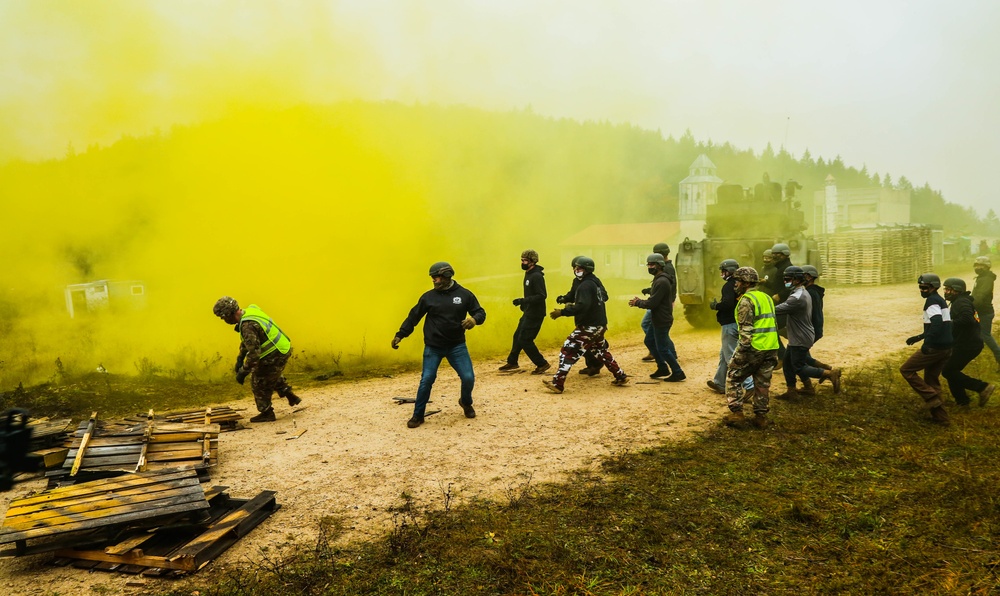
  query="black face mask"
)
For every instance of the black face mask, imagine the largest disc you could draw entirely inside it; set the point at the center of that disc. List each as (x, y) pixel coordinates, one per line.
(926, 293)
(525, 266)
(652, 270)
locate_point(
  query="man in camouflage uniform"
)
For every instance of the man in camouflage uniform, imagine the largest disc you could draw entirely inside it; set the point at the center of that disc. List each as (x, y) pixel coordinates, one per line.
(264, 352)
(756, 350)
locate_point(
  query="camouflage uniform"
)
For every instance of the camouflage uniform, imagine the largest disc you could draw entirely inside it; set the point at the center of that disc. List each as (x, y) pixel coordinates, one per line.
(746, 362)
(266, 372)
(589, 340)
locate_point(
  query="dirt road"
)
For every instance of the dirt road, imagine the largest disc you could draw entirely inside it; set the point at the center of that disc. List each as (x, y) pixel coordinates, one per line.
(357, 456)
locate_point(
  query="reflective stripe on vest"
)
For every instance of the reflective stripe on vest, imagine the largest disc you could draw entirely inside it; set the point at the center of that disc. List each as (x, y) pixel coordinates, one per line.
(765, 331)
(276, 339)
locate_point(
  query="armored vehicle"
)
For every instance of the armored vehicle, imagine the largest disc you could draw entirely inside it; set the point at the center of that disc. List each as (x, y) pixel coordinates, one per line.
(741, 225)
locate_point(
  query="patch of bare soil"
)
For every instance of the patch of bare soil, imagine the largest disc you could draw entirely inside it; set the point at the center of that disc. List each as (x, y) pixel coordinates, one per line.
(357, 456)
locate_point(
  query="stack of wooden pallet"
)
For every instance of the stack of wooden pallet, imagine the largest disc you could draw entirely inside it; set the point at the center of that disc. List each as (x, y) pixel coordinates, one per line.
(226, 417)
(876, 256)
(102, 448)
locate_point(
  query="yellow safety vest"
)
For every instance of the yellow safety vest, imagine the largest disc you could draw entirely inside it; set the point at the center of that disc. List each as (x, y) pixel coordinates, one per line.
(765, 330)
(276, 339)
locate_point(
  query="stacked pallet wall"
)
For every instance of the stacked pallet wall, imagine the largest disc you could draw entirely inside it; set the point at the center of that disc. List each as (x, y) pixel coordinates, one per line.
(876, 256)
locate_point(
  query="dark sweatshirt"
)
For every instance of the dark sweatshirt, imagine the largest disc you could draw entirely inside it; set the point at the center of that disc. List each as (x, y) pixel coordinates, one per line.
(570, 296)
(445, 310)
(588, 309)
(817, 293)
(725, 311)
(965, 323)
(937, 323)
(533, 306)
(659, 301)
(982, 292)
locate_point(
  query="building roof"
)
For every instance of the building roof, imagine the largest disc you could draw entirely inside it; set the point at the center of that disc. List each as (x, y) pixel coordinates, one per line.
(638, 234)
(703, 162)
(702, 170)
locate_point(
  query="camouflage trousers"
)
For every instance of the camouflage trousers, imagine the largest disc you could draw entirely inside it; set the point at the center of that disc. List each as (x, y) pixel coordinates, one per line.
(747, 362)
(589, 341)
(268, 378)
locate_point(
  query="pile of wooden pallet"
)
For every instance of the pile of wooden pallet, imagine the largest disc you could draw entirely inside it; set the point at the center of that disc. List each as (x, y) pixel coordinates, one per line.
(876, 256)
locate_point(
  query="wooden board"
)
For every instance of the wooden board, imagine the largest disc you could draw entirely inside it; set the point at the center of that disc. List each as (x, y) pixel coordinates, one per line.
(100, 503)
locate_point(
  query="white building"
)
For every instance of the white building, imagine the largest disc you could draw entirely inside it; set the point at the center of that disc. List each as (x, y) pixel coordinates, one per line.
(697, 191)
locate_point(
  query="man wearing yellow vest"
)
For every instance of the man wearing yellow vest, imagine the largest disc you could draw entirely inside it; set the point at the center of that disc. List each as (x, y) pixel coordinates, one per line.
(264, 351)
(756, 352)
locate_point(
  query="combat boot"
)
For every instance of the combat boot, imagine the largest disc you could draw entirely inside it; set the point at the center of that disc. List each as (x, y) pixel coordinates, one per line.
(265, 416)
(735, 419)
(591, 371)
(509, 366)
(984, 395)
(790, 394)
(468, 409)
(807, 387)
(541, 368)
(620, 381)
(834, 376)
(940, 415)
(660, 373)
(759, 420)
(551, 386)
(648, 357)
(414, 422)
(293, 400)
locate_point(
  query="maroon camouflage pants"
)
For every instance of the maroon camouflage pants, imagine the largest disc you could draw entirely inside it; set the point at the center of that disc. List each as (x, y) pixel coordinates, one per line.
(585, 340)
(268, 378)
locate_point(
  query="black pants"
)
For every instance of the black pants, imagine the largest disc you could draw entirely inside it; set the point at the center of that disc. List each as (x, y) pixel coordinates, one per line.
(958, 381)
(796, 364)
(524, 339)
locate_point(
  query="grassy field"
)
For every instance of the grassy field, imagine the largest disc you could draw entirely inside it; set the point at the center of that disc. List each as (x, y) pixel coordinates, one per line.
(857, 493)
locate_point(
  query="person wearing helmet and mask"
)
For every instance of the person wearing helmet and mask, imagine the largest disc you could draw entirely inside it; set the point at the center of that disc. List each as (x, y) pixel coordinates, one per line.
(725, 314)
(935, 350)
(532, 304)
(662, 249)
(801, 335)
(264, 352)
(451, 310)
(968, 344)
(817, 293)
(593, 365)
(756, 350)
(591, 319)
(982, 297)
(657, 338)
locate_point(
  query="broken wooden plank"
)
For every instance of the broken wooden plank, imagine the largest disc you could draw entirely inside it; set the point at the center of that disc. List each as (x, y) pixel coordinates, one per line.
(297, 435)
(83, 445)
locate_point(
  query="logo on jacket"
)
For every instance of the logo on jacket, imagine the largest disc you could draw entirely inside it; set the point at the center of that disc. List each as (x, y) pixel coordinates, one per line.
(527, 282)
(456, 300)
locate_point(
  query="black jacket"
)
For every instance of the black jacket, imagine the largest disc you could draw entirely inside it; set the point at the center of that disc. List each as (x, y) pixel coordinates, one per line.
(725, 310)
(817, 293)
(570, 296)
(937, 323)
(672, 276)
(533, 305)
(588, 308)
(659, 301)
(445, 310)
(982, 292)
(965, 322)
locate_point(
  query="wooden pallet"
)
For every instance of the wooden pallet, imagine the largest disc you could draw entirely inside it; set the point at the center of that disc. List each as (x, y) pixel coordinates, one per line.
(179, 550)
(226, 417)
(134, 499)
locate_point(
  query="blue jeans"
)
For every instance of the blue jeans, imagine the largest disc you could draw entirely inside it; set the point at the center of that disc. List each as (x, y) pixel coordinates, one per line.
(986, 323)
(647, 321)
(458, 358)
(659, 344)
(730, 337)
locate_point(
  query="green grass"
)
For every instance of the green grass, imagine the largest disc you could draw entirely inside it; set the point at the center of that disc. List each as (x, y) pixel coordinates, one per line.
(857, 493)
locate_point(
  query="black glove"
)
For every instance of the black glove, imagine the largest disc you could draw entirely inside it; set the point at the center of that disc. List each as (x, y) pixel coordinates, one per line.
(239, 362)
(395, 342)
(646, 291)
(241, 375)
(912, 340)
(517, 301)
(561, 299)
(714, 304)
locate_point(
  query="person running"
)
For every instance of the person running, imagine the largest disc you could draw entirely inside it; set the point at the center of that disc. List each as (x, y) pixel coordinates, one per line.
(532, 305)
(968, 344)
(982, 297)
(935, 350)
(657, 338)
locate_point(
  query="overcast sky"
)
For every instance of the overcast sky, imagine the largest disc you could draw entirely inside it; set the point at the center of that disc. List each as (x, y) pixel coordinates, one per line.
(907, 88)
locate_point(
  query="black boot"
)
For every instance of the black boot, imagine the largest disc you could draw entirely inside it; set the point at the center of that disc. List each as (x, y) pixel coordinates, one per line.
(265, 416)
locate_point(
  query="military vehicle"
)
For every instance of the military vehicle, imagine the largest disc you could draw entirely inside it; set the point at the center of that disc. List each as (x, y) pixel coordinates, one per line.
(741, 225)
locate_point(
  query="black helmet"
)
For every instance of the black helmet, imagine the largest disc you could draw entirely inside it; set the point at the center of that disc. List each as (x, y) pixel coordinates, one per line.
(811, 271)
(442, 269)
(729, 265)
(663, 248)
(574, 261)
(585, 263)
(930, 279)
(781, 248)
(796, 273)
(656, 258)
(955, 283)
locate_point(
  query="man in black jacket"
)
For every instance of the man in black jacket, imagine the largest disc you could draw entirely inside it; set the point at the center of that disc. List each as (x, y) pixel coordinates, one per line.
(982, 297)
(935, 350)
(968, 344)
(532, 304)
(725, 314)
(662, 309)
(594, 365)
(591, 321)
(451, 310)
